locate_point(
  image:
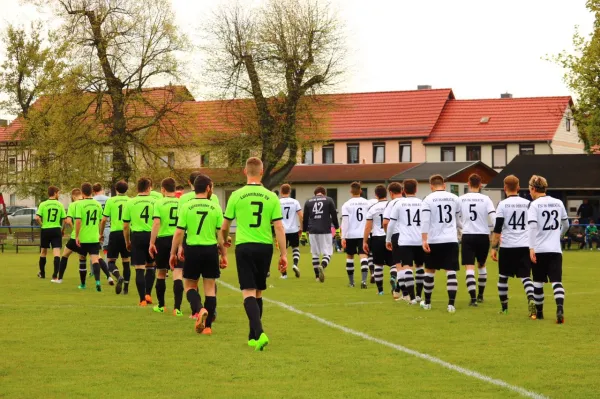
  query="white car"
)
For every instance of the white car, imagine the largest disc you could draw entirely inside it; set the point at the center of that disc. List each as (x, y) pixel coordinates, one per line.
(23, 217)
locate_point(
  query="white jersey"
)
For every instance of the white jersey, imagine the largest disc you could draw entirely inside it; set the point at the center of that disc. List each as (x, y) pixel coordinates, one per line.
(289, 209)
(477, 213)
(388, 211)
(407, 216)
(354, 213)
(102, 200)
(512, 212)
(375, 213)
(547, 213)
(440, 216)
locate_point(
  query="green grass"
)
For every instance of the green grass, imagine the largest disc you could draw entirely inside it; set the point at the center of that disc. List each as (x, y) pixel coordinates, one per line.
(60, 342)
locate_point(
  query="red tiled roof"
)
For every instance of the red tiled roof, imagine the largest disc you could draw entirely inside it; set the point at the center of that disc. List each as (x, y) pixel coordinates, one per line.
(346, 173)
(510, 119)
(3, 133)
(379, 115)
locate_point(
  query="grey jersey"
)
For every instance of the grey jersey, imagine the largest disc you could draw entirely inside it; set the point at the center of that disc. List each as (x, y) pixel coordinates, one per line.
(319, 215)
(102, 200)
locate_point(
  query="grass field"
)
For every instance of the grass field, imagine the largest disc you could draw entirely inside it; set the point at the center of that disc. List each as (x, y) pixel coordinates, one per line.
(58, 342)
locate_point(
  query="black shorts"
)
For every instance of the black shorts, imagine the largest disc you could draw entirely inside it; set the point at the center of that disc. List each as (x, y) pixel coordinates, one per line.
(475, 247)
(443, 256)
(201, 261)
(72, 245)
(253, 264)
(163, 246)
(91, 249)
(292, 240)
(514, 262)
(140, 246)
(411, 254)
(381, 255)
(548, 268)
(354, 246)
(395, 248)
(117, 246)
(51, 238)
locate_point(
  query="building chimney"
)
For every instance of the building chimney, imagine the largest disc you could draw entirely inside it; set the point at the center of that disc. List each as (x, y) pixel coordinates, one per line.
(424, 87)
(3, 123)
(506, 95)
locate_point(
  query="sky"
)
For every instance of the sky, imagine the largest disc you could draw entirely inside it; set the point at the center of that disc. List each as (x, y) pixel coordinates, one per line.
(479, 48)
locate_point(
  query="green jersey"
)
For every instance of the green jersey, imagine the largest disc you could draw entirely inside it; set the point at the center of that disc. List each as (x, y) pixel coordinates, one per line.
(71, 214)
(165, 209)
(156, 195)
(591, 230)
(255, 208)
(89, 211)
(52, 214)
(138, 213)
(201, 219)
(115, 210)
(188, 196)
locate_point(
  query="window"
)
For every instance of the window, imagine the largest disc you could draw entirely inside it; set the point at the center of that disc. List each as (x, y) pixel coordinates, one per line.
(293, 193)
(526, 149)
(353, 153)
(169, 159)
(308, 156)
(204, 160)
(12, 164)
(328, 154)
(378, 152)
(454, 189)
(498, 156)
(448, 154)
(364, 193)
(238, 158)
(473, 153)
(13, 199)
(332, 192)
(466, 190)
(568, 124)
(405, 152)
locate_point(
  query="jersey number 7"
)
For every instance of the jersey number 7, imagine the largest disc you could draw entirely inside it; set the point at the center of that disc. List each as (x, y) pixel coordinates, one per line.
(202, 217)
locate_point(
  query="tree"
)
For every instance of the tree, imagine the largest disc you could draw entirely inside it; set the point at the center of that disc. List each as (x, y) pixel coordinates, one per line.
(279, 55)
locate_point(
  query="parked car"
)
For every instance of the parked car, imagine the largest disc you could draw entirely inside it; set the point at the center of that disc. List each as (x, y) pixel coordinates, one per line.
(23, 217)
(10, 209)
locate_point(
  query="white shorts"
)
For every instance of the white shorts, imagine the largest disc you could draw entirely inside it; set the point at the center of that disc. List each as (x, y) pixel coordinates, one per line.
(321, 244)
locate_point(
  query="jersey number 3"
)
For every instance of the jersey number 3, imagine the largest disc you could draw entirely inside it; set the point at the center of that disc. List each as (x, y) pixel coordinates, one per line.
(257, 214)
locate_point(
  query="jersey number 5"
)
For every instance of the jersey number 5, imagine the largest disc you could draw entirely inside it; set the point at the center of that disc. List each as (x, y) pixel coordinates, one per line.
(257, 214)
(473, 216)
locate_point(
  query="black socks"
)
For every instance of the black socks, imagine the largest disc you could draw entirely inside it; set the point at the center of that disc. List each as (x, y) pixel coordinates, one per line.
(193, 298)
(178, 294)
(253, 312)
(150, 277)
(42, 264)
(62, 267)
(161, 287)
(140, 283)
(210, 304)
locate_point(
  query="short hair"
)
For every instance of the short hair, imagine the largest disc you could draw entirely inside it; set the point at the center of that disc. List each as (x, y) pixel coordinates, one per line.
(285, 189)
(179, 187)
(592, 221)
(539, 183)
(254, 166)
(511, 182)
(52, 191)
(436, 180)
(475, 180)
(86, 189)
(144, 184)
(193, 176)
(575, 221)
(410, 186)
(121, 187)
(97, 187)
(202, 183)
(380, 191)
(320, 190)
(168, 184)
(395, 188)
(76, 192)
(355, 188)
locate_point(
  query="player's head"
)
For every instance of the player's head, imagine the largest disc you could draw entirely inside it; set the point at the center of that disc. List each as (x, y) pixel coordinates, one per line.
(380, 191)
(475, 182)
(285, 190)
(179, 188)
(167, 185)
(410, 186)
(254, 167)
(192, 177)
(53, 191)
(121, 187)
(75, 194)
(355, 189)
(203, 185)
(144, 185)
(437, 182)
(537, 186)
(592, 222)
(86, 189)
(511, 185)
(395, 189)
(320, 190)
(97, 188)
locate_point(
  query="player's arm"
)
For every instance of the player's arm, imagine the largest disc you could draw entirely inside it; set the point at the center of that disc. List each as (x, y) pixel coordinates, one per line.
(368, 229)
(225, 229)
(300, 221)
(177, 241)
(306, 216)
(333, 214)
(280, 236)
(532, 227)
(153, 235)
(425, 225)
(38, 215)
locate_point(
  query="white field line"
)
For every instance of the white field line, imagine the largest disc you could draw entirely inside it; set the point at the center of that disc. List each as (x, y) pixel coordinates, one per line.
(400, 348)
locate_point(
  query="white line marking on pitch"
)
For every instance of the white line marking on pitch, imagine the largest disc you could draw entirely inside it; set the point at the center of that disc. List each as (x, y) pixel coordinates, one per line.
(400, 348)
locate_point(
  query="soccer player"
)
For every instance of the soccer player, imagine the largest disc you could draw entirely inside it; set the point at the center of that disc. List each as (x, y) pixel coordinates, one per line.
(318, 217)
(200, 219)
(477, 215)
(114, 210)
(72, 244)
(395, 190)
(354, 212)
(547, 222)
(511, 223)
(49, 216)
(87, 230)
(137, 219)
(374, 237)
(292, 213)
(98, 195)
(163, 229)
(255, 208)
(405, 218)
(440, 216)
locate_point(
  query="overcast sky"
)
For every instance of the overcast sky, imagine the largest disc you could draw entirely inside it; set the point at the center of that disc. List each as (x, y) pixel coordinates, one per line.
(479, 48)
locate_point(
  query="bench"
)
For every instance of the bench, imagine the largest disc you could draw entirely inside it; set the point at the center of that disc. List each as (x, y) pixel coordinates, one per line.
(3, 240)
(27, 239)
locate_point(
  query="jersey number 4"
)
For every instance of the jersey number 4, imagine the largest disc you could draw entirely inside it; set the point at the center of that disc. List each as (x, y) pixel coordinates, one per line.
(514, 222)
(416, 219)
(145, 214)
